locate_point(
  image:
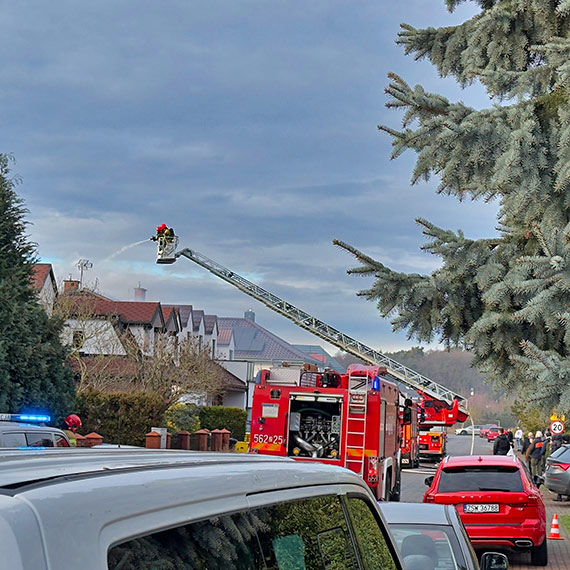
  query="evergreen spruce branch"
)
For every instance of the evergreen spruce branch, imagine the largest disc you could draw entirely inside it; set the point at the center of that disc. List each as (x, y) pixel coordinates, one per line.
(563, 8)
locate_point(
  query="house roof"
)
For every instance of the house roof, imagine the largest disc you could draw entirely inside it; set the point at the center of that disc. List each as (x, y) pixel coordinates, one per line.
(197, 317)
(319, 353)
(185, 312)
(130, 312)
(253, 342)
(210, 322)
(40, 275)
(231, 381)
(224, 337)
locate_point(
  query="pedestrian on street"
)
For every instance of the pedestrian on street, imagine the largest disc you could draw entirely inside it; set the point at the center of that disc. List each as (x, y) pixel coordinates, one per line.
(502, 445)
(537, 455)
(519, 438)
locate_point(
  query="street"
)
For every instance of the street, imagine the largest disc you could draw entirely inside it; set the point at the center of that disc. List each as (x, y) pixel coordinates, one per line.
(413, 488)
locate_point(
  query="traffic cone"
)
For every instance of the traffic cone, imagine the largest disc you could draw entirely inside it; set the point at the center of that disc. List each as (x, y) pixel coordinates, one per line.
(554, 530)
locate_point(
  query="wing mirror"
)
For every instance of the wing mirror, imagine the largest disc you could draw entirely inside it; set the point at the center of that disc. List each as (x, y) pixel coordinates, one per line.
(494, 561)
(428, 480)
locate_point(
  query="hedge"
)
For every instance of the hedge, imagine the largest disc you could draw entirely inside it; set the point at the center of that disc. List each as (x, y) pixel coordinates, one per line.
(220, 417)
(122, 418)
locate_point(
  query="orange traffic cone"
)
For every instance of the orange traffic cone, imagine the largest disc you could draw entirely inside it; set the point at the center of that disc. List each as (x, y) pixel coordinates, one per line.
(554, 530)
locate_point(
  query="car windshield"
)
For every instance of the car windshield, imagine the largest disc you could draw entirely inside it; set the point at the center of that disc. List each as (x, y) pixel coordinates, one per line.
(494, 478)
(431, 546)
(561, 454)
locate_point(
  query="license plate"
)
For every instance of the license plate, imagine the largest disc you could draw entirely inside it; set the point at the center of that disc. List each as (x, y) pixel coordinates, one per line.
(405, 460)
(484, 508)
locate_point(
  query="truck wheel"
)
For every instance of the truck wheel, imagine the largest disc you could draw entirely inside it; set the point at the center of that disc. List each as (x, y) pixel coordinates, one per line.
(539, 555)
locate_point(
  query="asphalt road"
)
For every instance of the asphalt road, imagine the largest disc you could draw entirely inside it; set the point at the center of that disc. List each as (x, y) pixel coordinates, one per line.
(413, 486)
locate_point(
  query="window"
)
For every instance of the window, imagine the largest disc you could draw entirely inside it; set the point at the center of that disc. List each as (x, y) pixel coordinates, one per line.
(561, 454)
(439, 543)
(60, 441)
(309, 534)
(14, 440)
(39, 439)
(78, 339)
(372, 543)
(480, 479)
(231, 354)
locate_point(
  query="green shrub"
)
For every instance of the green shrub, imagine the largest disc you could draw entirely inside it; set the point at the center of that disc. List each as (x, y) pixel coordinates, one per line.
(122, 417)
(182, 417)
(219, 417)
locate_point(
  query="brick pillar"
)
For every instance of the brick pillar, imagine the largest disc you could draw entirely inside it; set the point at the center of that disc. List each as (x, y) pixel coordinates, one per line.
(152, 440)
(217, 440)
(92, 439)
(201, 439)
(183, 440)
(225, 439)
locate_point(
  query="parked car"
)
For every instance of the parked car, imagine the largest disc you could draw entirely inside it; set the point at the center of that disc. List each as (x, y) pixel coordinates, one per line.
(23, 434)
(493, 433)
(433, 536)
(484, 429)
(496, 500)
(468, 430)
(557, 474)
(140, 508)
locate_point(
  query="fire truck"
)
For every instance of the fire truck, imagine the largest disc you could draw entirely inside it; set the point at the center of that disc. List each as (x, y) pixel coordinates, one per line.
(409, 417)
(441, 406)
(350, 420)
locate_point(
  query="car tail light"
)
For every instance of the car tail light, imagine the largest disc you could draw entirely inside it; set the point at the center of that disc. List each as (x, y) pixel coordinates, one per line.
(429, 499)
(561, 466)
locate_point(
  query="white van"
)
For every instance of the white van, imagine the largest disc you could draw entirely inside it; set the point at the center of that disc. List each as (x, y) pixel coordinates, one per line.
(126, 509)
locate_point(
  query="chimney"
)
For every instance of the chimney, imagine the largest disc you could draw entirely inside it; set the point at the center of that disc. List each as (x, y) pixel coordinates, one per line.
(249, 315)
(140, 293)
(70, 285)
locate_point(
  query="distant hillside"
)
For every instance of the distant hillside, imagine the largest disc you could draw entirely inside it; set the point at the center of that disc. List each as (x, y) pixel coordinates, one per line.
(453, 370)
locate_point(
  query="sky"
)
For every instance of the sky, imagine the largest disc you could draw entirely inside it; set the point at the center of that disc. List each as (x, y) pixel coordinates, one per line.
(249, 127)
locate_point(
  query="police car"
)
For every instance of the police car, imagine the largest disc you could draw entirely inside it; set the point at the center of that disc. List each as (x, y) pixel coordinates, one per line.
(16, 430)
(139, 508)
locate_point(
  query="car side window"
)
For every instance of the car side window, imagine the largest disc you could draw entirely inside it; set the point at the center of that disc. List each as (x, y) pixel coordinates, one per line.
(39, 439)
(14, 440)
(309, 534)
(60, 441)
(372, 542)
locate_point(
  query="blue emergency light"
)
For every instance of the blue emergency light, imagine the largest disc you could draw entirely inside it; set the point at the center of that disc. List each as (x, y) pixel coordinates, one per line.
(376, 383)
(25, 418)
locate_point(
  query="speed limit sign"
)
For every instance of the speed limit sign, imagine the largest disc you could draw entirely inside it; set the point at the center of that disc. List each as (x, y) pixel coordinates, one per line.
(557, 427)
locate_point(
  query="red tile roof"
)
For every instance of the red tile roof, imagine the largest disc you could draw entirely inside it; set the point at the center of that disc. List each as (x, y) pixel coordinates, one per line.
(224, 336)
(40, 275)
(130, 312)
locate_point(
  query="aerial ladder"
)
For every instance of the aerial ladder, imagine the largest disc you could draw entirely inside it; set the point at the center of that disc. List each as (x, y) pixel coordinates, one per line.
(444, 407)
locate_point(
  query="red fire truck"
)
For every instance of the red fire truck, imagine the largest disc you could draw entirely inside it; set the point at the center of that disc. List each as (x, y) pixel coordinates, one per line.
(441, 406)
(348, 419)
(409, 449)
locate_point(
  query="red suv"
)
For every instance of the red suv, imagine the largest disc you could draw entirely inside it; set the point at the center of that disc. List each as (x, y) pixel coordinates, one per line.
(496, 500)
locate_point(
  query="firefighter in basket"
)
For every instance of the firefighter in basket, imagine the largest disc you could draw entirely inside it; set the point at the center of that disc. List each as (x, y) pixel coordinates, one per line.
(167, 243)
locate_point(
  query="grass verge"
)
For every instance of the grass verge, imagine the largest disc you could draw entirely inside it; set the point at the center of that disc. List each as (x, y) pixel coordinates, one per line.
(565, 521)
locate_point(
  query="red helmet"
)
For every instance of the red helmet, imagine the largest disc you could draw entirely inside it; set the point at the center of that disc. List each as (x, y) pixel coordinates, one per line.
(73, 421)
(160, 228)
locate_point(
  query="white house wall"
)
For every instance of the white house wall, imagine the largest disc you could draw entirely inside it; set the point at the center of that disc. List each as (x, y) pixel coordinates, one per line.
(99, 337)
